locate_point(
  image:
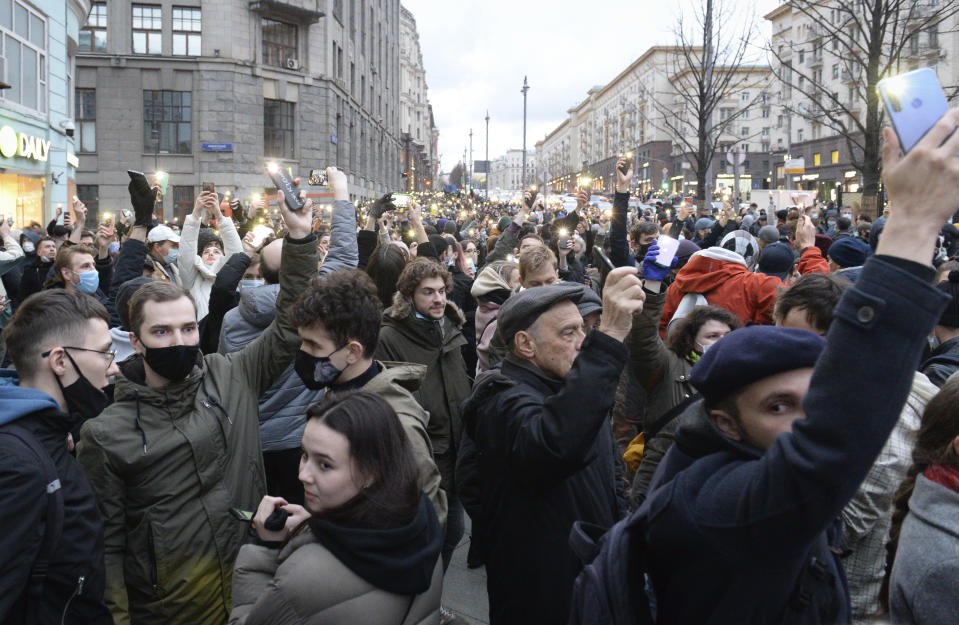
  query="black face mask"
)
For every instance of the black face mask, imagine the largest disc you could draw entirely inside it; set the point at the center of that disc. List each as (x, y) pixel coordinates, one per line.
(316, 373)
(173, 363)
(82, 397)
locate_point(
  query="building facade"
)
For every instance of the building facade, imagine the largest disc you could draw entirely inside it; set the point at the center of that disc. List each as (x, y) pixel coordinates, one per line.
(627, 117)
(213, 90)
(820, 70)
(416, 114)
(506, 172)
(37, 134)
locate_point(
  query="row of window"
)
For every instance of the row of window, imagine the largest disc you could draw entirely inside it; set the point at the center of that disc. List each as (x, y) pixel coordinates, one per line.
(147, 29)
(167, 123)
(23, 44)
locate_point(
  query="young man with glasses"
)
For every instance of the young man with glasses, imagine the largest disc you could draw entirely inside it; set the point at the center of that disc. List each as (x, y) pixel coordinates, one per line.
(52, 539)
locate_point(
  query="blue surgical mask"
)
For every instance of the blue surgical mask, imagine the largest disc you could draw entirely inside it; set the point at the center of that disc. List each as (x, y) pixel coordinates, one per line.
(89, 281)
(171, 256)
(250, 284)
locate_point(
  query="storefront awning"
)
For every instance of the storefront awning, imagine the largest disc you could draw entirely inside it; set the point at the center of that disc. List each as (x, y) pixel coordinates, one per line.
(289, 11)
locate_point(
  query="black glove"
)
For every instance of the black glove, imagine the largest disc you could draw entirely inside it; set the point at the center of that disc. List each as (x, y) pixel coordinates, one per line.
(382, 205)
(143, 199)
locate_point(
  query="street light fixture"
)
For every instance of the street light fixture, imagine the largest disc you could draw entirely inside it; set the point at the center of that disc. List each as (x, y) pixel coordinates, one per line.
(524, 90)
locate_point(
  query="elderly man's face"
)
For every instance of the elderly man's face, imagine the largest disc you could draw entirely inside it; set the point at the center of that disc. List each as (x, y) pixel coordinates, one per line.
(555, 339)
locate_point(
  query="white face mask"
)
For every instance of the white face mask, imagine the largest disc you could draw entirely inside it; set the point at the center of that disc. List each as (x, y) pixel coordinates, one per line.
(28, 247)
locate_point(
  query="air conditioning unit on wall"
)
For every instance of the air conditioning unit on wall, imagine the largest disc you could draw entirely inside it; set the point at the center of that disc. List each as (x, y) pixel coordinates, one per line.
(292, 64)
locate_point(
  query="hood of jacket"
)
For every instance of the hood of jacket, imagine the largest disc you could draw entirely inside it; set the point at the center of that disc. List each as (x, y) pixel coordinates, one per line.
(487, 281)
(397, 559)
(402, 309)
(17, 402)
(407, 375)
(709, 268)
(258, 305)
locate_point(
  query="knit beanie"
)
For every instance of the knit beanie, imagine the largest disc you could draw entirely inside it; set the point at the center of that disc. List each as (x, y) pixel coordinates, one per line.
(503, 223)
(950, 317)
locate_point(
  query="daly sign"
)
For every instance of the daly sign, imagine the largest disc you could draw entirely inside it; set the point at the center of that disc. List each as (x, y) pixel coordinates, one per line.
(13, 143)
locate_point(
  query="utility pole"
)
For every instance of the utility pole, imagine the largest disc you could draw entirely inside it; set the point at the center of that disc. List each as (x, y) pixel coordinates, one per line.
(524, 90)
(471, 161)
(486, 184)
(465, 173)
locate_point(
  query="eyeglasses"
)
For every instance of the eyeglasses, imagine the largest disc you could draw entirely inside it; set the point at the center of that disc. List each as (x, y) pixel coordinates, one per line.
(109, 355)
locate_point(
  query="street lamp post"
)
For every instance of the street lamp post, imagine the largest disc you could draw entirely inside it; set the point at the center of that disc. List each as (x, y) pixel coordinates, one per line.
(524, 90)
(486, 184)
(471, 161)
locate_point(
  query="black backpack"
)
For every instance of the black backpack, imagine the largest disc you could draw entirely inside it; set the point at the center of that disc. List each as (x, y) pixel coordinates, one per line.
(53, 527)
(611, 589)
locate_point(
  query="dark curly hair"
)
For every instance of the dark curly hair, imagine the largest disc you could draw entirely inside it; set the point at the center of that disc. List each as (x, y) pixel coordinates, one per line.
(683, 334)
(345, 304)
(816, 293)
(420, 269)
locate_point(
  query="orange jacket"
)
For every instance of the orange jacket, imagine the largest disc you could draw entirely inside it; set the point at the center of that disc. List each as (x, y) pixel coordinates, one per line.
(722, 277)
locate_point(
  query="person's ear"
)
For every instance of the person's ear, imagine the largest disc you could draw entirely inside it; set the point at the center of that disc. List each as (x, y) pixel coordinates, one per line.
(137, 344)
(57, 360)
(955, 445)
(726, 424)
(524, 344)
(354, 352)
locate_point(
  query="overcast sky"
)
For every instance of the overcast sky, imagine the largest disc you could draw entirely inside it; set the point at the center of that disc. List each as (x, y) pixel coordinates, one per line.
(476, 54)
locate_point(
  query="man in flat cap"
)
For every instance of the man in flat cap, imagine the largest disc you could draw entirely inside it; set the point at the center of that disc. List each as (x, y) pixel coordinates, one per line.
(541, 449)
(741, 516)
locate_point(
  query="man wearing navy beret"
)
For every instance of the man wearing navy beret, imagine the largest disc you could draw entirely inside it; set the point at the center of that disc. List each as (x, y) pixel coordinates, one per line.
(742, 512)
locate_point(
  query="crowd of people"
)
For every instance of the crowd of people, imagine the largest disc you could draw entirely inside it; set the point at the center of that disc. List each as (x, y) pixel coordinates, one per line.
(288, 422)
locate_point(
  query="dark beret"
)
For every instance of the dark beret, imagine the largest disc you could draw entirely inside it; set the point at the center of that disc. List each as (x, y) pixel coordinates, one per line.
(777, 259)
(523, 309)
(751, 354)
(849, 252)
(439, 244)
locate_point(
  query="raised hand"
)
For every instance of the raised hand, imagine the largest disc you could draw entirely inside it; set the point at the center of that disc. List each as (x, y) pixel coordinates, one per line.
(623, 297)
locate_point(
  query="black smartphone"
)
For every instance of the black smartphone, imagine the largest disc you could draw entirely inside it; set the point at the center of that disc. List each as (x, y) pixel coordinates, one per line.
(138, 177)
(282, 181)
(624, 168)
(531, 200)
(602, 254)
(207, 187)
(242, 515)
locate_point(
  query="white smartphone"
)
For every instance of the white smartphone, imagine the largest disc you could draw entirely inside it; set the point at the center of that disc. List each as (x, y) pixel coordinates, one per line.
(914, 102)
(667, 250)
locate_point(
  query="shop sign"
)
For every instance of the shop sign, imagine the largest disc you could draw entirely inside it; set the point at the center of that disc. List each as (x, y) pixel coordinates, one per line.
(72, 160)
(13, 143)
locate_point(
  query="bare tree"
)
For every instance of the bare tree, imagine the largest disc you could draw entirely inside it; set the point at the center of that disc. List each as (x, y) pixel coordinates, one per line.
(708, 72)
(457, 176)
(867, 40)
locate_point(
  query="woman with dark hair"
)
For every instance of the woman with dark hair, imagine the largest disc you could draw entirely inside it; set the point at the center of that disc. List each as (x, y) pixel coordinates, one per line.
(385, 265)
(366, 547)
(922, 570)
(662, 369)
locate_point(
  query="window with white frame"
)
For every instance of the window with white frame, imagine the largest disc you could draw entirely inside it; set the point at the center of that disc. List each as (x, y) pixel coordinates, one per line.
(24, 46)
(186, 31)
(147, 29)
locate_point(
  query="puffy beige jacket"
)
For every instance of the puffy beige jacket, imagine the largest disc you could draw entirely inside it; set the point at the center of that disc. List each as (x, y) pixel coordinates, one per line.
(304, 584)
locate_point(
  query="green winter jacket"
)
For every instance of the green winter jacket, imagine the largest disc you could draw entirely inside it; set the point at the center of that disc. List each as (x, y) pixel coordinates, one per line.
(396, 384)
(407, 338)
(167, 464)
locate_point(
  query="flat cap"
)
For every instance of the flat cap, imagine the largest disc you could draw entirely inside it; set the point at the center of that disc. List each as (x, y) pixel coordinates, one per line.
(590, 301)
(523, 309)
(751, 354)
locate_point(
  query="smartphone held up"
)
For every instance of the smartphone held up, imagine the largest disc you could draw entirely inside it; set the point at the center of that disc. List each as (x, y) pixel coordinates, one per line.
(283, 181)
(914, 102)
